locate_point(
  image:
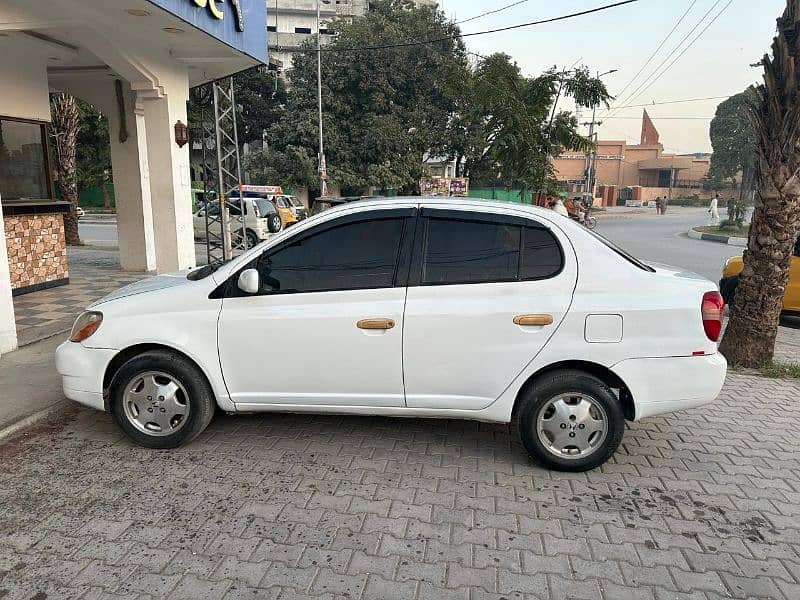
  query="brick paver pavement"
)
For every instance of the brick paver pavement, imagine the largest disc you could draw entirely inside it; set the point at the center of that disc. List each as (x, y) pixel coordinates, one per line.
(700, 504)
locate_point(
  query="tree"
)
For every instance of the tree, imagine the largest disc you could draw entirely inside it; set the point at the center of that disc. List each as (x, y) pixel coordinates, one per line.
(775, 112)
(523, 127)
(261, 98)
(64, 131)
(384, 108)
(734, 141)
(93, 151)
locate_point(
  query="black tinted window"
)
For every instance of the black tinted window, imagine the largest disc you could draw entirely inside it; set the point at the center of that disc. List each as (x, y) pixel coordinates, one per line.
(470, 252)
(541, 254)
(355, 256)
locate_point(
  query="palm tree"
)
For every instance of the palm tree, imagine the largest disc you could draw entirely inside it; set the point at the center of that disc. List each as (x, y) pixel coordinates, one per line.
(64, 131)
(775, 113)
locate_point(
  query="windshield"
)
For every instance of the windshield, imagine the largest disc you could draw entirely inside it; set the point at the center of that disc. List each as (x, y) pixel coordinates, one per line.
(265, 207)
(623, 253)
(295, 201)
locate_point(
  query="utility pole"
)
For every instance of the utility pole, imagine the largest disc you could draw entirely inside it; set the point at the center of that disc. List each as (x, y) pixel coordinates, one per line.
(591, 159)
(321, 158)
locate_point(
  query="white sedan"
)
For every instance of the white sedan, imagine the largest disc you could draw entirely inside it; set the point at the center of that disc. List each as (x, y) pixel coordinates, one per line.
(447, 308)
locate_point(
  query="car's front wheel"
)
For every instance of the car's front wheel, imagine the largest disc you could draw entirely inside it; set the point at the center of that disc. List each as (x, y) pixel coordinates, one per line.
(161, 400)
(570, 421)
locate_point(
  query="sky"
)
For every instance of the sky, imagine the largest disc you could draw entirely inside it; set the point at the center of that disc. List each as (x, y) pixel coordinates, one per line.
(623, 38)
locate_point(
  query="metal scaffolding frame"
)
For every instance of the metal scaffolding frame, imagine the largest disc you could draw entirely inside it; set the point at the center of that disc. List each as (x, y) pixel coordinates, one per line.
(225, 235)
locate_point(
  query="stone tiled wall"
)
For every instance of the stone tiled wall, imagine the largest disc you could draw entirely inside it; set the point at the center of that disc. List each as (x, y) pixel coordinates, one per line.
(37, 249)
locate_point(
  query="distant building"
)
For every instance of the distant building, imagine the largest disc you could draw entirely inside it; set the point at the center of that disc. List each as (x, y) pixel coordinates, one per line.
(292, 22)
(645, 165)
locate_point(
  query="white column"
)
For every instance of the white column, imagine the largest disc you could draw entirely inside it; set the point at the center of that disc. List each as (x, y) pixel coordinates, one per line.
(8, 325)
(129, 159)
(170, 184)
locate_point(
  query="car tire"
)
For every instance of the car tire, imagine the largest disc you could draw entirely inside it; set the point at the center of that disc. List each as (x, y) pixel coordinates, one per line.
(274, 223)
(556, 440)
(727, 288)
(252, 239)
(139, 413)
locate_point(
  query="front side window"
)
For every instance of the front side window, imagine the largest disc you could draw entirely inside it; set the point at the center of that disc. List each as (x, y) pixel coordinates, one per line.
(353, 256)
(462, 251)
(23, 164)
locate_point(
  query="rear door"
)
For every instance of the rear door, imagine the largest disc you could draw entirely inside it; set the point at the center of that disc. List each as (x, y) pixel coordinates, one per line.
(486, 293)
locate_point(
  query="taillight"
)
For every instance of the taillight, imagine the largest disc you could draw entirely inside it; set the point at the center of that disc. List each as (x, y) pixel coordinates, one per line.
(713, 311)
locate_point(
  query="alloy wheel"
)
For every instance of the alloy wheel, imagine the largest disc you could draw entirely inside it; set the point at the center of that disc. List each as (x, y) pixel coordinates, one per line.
(156, 403)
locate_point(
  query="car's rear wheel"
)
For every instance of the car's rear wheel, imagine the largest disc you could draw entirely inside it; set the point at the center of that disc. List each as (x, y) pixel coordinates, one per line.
(161, 400)
(252, 239)
(570, 421)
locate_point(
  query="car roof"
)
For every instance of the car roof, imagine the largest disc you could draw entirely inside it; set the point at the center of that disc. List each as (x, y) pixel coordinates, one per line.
(479, 204)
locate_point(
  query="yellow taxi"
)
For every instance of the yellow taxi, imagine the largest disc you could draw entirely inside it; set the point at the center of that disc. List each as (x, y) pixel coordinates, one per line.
(791, 298)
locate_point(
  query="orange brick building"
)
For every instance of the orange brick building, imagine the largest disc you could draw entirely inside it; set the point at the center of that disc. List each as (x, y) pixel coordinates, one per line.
(640, 172)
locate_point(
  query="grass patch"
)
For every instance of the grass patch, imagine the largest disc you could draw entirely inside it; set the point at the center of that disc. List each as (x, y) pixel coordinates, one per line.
(741, 232)
(781, 371)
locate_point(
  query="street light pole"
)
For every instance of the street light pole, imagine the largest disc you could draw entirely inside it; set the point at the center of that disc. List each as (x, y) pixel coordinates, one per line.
(323, 168)
(591, 166)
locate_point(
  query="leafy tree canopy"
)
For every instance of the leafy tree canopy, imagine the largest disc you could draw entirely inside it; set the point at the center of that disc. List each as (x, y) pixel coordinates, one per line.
(732, 138)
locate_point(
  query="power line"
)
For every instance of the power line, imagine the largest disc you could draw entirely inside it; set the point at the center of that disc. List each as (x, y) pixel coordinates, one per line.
(657, 50)
(684, 51)
(639, 90)
(655, 118)
(331, 48)
(616, 108)
(491, 12)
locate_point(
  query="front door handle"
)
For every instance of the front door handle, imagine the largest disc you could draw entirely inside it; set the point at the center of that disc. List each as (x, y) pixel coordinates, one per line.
(533, 320)
(375, 324)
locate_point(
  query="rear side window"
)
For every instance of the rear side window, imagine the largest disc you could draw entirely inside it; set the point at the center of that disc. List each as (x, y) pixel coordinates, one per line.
(470, 252)
(461, 251)
(541, 254)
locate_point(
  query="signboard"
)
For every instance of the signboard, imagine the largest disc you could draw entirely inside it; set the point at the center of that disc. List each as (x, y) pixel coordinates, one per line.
(241, 24)
(444, 186)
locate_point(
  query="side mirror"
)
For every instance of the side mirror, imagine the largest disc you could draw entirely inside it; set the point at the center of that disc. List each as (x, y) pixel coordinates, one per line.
(249, 281)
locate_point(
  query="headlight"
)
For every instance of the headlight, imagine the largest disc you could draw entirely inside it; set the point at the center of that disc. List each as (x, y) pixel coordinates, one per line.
(85, 326)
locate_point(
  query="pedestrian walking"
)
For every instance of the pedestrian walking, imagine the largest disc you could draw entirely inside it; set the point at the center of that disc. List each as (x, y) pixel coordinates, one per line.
(664, 202)
(713, 211)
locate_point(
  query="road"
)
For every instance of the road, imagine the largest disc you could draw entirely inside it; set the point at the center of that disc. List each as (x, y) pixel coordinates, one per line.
(663, 239)
(649, 237)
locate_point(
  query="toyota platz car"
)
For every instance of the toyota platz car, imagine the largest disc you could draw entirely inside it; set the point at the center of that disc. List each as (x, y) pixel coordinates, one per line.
(445, 308)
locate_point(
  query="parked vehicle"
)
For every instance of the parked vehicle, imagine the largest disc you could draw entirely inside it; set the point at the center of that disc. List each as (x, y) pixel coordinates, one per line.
(323, 203)
(290, 208)
(79, 212)
(446, 308)
(261, 219)
(791, 297)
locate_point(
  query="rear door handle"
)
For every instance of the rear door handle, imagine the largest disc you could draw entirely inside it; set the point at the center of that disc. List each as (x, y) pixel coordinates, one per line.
(375, 324)
(533, 320)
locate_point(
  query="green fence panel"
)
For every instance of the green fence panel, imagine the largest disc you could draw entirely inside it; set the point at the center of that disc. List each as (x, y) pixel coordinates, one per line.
(500, 194)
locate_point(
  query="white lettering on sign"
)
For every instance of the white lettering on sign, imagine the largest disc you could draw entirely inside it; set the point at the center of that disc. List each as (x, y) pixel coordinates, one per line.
(216, 12)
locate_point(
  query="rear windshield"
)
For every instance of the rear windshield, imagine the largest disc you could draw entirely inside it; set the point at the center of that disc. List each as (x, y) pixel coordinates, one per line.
(623, 253)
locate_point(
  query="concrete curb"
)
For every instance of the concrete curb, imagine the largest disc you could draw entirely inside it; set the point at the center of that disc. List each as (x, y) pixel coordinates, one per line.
(720, 239)
(29, 421)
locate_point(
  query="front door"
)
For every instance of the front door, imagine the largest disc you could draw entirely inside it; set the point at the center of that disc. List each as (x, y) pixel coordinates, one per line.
(326, 328)
(486, 294)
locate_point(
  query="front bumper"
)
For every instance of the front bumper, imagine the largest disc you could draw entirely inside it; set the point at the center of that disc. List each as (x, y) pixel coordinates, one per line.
(82, 370)
(663, 385)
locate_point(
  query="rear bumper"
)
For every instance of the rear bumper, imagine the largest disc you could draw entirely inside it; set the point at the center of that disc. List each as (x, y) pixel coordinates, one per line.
(663, 385)
(82, 370)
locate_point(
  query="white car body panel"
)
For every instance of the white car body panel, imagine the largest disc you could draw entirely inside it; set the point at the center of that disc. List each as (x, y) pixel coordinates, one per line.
(306, 349)
(644, 327)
